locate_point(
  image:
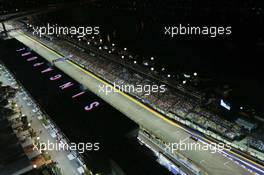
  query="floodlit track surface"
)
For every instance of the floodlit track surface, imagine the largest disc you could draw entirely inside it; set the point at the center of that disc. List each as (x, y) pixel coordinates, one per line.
(213, 163)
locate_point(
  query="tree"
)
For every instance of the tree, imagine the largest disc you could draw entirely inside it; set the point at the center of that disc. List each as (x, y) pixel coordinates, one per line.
(6, 112)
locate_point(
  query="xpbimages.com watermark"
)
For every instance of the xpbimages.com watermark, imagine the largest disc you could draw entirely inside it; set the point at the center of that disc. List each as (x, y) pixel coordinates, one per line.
(65, 30)
(61, 146)
(211, 31)
(130, 88)
(196, 146)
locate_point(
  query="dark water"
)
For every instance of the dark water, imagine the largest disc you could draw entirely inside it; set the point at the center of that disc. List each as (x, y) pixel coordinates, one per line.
(103, 124)
(234, 60)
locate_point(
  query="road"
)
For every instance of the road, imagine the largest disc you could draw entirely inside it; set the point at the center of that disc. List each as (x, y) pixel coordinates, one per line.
(22, 99)
(218, 163)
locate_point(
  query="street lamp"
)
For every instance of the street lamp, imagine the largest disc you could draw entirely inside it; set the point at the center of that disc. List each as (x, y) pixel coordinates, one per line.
(195, 74)
(152, 58)
(168, 75)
